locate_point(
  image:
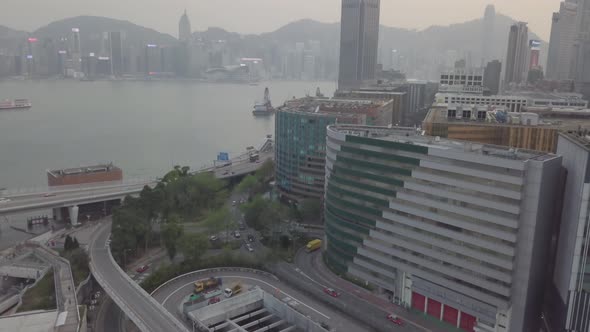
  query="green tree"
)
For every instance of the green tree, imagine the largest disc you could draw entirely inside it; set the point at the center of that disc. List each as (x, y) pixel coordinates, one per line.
(310, 209)
(261, 214)
(171, 234)
(193, 246)
(218, 220)
(75, 244)
(247, 184)
(266, 170)
(68, 243)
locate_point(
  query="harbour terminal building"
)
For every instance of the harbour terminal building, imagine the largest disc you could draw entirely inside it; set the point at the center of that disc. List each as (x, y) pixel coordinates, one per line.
(454, 229)
(300, 134)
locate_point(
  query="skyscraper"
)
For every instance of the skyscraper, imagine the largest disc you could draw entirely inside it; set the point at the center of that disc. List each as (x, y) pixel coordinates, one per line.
(184, 28)
(561, 45)
(116, 54)
(535, 53)
(491, 76)
(517, 56)
(582, 48)
(76, 50)
(359, 38)
(487, 35)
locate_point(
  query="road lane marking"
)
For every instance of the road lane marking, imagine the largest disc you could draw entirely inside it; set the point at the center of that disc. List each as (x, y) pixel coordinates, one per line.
(308, 277)
(249, 278)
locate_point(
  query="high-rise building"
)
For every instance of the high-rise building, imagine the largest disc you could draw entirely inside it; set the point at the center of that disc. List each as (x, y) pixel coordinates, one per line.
(116, 53)
(487, 36)
(359, 39)
(76, 50)
(456, 230)
(491, 77)
(567, 303)
(517, 56)
(152, 59)
(300, 134)
(561, 46)
(582, 48)
(534, 54)
(184, 28)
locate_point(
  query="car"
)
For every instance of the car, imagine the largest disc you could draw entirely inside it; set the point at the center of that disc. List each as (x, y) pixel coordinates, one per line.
(214, 300)
(250, 238)
(325, 326)
(142, 269)
(237, 234)
(49, 194)
(4, 200)
(249, 247)
(213, 238)
(332, 292)
(233, 203)
(395, 320)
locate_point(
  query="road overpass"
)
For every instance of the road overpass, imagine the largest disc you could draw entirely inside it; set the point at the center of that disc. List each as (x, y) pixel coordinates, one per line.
(147, 314)
(72, 196)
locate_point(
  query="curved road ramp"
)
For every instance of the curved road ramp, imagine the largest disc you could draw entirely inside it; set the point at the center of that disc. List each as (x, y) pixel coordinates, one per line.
(147, 314)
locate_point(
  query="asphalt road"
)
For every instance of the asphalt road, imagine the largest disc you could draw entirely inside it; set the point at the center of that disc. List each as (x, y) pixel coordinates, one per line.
(172, 294)
(312, 268)
(152, 315)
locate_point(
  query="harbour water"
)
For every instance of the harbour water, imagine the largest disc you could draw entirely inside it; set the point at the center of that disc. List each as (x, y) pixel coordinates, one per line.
(143, 127)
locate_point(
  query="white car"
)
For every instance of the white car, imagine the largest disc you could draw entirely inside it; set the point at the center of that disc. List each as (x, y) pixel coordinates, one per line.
(4, 200)
(249, 247)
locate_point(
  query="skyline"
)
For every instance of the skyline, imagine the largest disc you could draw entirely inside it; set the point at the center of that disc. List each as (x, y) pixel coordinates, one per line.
(163, 16)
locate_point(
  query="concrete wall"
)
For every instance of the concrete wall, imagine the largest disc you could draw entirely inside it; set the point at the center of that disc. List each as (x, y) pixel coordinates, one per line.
(281, 309)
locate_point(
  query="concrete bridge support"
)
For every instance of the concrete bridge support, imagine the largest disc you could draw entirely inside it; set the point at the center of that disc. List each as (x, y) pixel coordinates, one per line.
(73, 211)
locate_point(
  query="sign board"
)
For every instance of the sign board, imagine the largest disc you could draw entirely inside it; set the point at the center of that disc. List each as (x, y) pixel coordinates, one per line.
(223, 156)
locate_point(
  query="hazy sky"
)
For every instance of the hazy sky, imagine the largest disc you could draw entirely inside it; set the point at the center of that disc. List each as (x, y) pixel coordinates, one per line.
(254, 16)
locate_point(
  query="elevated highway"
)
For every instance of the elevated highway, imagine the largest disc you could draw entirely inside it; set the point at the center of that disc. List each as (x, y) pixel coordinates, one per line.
(147, 314)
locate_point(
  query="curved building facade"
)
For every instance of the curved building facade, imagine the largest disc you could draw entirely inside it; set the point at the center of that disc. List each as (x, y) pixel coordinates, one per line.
(300, 139)
(456, 230)
(300, 153)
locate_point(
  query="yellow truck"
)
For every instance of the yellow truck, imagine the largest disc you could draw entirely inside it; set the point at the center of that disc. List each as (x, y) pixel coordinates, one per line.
(313, 245)
(206, 284)
(233, 290)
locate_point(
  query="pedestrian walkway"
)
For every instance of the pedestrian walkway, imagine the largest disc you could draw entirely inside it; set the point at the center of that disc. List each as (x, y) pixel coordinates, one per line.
(65, 290)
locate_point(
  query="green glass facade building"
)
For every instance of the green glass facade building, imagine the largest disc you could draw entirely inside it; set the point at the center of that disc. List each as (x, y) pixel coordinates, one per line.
(300, 153)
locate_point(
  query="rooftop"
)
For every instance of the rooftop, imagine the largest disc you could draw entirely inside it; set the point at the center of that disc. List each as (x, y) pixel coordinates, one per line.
(29, 321)
(325, 106)
(254, 310)
(580, 137)
(417, 138)
(561, 119)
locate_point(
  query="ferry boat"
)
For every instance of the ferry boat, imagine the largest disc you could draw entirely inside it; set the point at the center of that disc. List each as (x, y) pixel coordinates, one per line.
(15, 104)
(265, 108)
